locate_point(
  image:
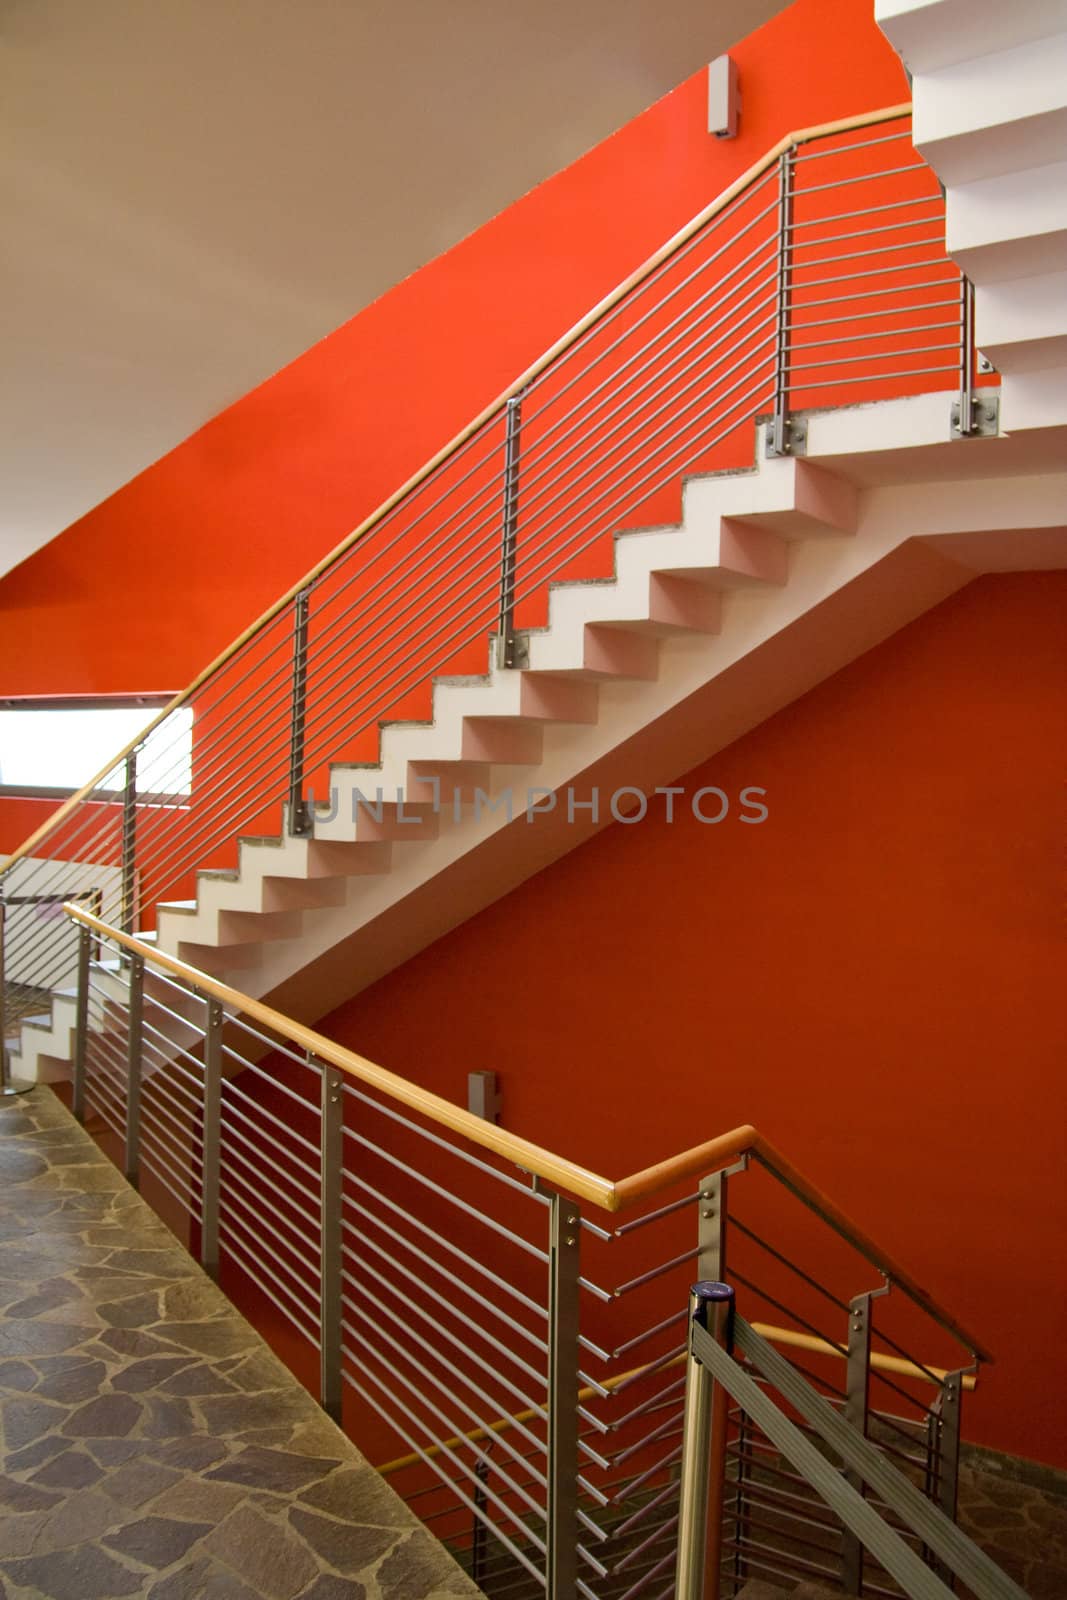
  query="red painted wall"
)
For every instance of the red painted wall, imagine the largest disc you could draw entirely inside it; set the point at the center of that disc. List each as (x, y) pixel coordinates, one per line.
(874, 976)
(170, 567)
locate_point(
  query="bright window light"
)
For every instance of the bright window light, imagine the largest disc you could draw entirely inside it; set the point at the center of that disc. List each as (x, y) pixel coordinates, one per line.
(63, 748)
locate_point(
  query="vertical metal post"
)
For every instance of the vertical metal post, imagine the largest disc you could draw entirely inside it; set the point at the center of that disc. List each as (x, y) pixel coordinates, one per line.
(479, 1541)
(211, 1143)
(133, 1071)
(510, 534)
(299, 816)
(564, 1248)
(857, 1403)
(711, 1228)
(8, 1090)
(966, 420)
(3, 997)
(330, 1264)
(129, 844)
(711, 1265)
(704, 1422)
(778, 434)
(948, 1479)
(81, 1025)
(943, 1459)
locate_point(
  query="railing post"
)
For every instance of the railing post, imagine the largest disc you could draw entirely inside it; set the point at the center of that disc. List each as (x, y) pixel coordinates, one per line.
(4, 1086)
(949, 1453)
(505, 639)
(8, 1090)
(81, 1025)
(211, 1144)
(711, 1265)
(330, 1261)
(129, 844)
(299, 815)
(132, 1162)
(943, 1458)
(564, 1239)
(965, 420)
(702, 1470)
(857, 1402)
(479, 1540)
(779, 442)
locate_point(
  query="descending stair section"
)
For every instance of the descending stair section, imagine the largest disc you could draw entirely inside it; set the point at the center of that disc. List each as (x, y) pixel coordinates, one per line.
(989, 87)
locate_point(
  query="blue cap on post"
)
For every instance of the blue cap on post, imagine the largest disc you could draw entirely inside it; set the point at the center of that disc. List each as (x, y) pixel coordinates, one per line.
(709, 1289)
(718, 1298)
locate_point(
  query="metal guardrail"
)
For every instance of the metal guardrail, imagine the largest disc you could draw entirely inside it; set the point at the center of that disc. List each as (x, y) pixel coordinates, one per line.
(813, 1447)
(534, 1417)
(819, 277)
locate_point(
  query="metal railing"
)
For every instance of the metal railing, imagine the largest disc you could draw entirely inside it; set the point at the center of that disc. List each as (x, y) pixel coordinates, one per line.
(819, 277)
(914, 1540)
(532, 1411)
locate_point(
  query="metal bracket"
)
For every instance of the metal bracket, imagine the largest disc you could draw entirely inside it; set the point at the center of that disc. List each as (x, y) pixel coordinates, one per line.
(511, 651)
(984, 422)
(483, 1095)
(796, 439)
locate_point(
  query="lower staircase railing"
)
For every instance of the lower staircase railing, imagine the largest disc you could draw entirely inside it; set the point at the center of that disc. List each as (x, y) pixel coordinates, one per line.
(504, 1329)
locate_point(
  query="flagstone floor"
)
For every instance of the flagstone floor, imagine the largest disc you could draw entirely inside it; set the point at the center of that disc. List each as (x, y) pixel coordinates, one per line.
(150, 1443)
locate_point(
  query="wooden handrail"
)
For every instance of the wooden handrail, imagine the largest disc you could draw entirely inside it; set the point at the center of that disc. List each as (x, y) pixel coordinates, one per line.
(534, 1159)
(820, 130)
(766, 1330)
(879, 1359)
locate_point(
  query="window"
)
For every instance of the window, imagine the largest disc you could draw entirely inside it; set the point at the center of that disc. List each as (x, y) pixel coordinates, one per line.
(52, 748)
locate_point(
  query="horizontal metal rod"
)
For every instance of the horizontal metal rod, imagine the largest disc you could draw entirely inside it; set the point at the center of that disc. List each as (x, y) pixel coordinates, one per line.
(231, 1223)
(229, 1131)
(452, 1431)
(532, 1410)
(478, 1328)
(872, 355)
(748, 1233)
(254, 1182)
(442, 1144)
(862, 177)
(229, 1109)
(309, 1241)
(231, 1088)
(658, 1271)
(859, 144)
(238, 1258)
(482, 1429)
(873, 377)
(445, 1194)
(418, 1250)
(453, 1487)
(654, 1216)
(800, 344)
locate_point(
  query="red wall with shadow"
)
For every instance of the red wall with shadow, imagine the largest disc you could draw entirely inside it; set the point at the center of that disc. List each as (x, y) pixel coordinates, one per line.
(873, 976)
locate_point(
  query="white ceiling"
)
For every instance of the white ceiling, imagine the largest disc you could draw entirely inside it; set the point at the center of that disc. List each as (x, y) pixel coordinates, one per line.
(195, 191)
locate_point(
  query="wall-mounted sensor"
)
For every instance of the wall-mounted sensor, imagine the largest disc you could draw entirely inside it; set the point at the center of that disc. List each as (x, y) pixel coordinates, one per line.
(724, 98)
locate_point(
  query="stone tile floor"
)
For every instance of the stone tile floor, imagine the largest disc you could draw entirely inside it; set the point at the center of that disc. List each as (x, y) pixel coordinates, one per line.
(150, 1444)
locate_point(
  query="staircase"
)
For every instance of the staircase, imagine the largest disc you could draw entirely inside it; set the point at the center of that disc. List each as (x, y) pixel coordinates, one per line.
(364, 778)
